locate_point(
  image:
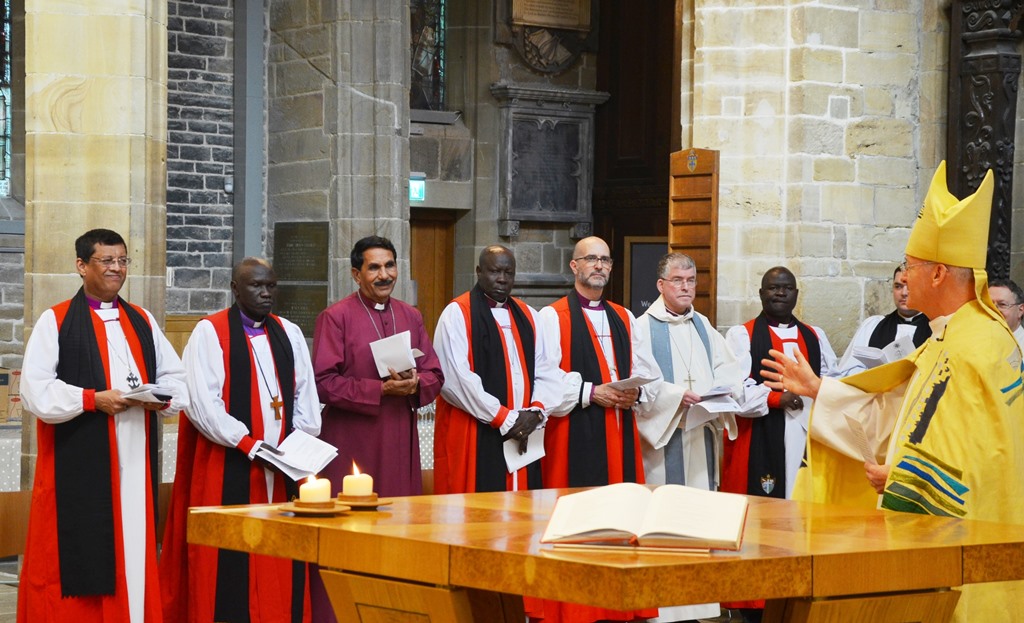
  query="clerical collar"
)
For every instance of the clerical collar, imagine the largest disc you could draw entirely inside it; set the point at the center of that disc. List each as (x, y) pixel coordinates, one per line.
(686, 315)
(251, 327)
(375, 304)
(493, 303)
(586, 303)
(98, 304)
(907, 319)
(776, 323)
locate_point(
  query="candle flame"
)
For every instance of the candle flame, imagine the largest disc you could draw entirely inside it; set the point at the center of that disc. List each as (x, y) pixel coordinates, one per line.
(311, 478)
(355, 468)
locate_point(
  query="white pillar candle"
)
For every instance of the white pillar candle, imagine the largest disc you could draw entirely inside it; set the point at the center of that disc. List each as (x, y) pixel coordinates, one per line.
(315, 490)
(356, 483)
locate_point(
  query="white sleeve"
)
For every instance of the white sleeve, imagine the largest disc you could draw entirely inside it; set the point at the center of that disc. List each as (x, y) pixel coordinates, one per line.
(727, 370)
(306, 414)
(462, 387)
(570, 382)
(738, 341)
(170, 373)
(204, 375)
(829, 363)
(44, 395)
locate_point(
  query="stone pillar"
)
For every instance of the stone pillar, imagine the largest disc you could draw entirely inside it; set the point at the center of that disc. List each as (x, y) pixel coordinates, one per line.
(95, 136)
(339, 125)
(984, 72)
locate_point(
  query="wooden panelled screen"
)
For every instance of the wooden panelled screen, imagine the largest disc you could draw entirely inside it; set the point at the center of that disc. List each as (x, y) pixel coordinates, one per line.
(693, 219)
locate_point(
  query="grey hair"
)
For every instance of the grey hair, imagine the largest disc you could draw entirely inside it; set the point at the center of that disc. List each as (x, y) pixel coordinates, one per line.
(677, 260)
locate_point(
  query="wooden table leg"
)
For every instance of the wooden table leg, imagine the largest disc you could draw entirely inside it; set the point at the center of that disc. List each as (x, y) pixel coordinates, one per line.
(367, 599)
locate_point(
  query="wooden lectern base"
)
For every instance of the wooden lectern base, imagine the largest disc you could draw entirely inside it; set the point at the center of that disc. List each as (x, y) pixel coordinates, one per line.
(368, 599)
(924, 607)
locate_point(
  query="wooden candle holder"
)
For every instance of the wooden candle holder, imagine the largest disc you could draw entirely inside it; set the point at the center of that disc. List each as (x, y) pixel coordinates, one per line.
(329, 504)
(358, 499)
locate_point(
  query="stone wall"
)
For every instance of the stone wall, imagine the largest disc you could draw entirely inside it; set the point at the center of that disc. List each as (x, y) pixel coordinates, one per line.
(830, 121)
(199, 155)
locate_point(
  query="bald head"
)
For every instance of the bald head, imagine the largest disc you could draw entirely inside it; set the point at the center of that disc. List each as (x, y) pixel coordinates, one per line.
(592, 265)
(496, 272)
(254, 285)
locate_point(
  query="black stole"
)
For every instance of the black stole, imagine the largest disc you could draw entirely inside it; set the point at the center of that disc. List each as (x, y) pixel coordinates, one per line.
(232, 591)
(768, 433)
(885, 333)
(588, 457)
(82, 463)
(489, 365)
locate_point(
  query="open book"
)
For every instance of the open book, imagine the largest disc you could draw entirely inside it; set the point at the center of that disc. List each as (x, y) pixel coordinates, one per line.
(871, 357)
(671, 516)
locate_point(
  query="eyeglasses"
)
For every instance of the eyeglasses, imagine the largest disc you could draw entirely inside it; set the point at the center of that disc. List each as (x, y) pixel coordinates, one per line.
(1004, 305)
(107, 262)
(594, 259)
(678, 282)
(906, 266)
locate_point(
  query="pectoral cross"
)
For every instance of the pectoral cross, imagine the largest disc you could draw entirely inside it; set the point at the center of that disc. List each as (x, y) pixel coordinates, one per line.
(689, 380)
(133, 381)
(276, 404)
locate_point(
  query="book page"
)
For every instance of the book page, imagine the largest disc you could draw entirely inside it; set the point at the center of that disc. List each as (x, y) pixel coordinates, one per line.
(631, 383)
(711, 518)
(899, 349)
(612, 511)
(301, 455)
(869, 356)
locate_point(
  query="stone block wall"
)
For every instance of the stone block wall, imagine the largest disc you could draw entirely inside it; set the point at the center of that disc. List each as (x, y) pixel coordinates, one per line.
(830, 122)
(200, 136)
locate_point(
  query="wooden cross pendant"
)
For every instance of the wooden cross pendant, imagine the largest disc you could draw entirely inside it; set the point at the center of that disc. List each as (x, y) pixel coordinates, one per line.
(276, 405)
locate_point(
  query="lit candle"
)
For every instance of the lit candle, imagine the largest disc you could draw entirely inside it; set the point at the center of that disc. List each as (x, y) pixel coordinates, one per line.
(315, 490)
(356, 483)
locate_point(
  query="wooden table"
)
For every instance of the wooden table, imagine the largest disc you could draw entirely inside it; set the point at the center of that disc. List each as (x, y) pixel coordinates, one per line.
(459, 557)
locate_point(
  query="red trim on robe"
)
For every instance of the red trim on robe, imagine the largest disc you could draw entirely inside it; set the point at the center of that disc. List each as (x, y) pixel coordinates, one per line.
(189, 572)
(39, 592)
(455, 430)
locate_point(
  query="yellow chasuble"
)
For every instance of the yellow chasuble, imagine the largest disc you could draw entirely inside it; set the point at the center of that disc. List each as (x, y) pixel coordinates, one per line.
(956, 409)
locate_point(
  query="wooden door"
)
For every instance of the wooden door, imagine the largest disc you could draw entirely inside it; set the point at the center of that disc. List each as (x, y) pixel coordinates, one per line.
(693, 220)
(432, 256)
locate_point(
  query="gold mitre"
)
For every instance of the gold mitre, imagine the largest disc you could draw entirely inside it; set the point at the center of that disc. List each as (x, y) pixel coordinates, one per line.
(953, 231)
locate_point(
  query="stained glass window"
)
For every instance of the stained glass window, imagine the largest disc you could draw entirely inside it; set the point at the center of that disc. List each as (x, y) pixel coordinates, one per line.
(428, 67)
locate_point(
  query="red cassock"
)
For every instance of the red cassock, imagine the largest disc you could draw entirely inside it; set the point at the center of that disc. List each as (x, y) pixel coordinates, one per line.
(39, 591)
(189, 573)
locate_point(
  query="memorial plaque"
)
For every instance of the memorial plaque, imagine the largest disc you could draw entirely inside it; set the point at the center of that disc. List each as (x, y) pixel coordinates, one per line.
(567, 14)
(545, 166)
(300, 251)
(301, 304)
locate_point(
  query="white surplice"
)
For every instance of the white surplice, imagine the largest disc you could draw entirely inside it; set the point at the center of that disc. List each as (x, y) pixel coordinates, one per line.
(54, 401)
(850, 365)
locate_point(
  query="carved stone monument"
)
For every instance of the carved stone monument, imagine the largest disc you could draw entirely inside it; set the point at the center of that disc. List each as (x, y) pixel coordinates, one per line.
(546, 156)
(300, 263)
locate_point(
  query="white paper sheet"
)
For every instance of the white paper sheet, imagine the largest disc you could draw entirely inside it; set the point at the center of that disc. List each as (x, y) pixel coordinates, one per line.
(860, 439)
(394, 351)
(149, 392)
(631, 383)
(709, 409)
(534, 450)
(302, 455)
